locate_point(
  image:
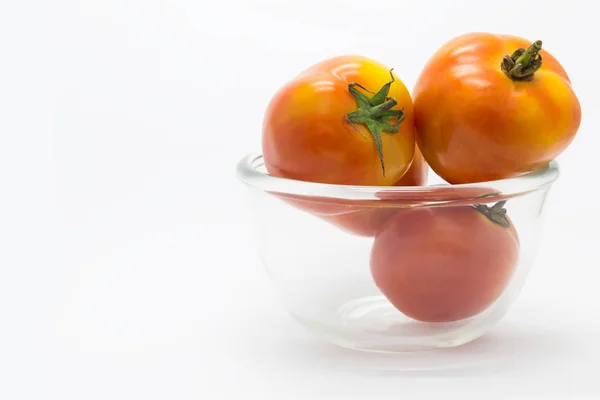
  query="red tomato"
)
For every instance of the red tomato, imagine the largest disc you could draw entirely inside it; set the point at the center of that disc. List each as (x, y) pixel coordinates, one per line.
(327, 125)
(490, 107)
(443, 264)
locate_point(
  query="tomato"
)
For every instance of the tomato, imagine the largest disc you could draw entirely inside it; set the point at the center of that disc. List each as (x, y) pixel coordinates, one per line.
(490, 107)
(327, 125)
(442, 264)
(367, 221)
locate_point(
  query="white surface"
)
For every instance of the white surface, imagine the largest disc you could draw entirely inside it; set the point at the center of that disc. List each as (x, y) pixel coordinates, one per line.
(126, 266)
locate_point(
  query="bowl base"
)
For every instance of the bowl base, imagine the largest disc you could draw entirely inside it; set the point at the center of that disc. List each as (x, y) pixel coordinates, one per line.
(372, 324)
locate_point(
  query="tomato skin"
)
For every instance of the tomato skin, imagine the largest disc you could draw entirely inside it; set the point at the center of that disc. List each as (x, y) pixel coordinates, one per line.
(443, 264)
(306, 135)
(362, 221)
(367, 221)
(417, 173)
(475, 124)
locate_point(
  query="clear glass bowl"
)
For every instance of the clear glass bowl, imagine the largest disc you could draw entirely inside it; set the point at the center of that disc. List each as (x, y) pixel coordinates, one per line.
(316, 240)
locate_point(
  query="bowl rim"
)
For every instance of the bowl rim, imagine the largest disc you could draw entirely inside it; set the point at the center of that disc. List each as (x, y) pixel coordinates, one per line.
(248, 172)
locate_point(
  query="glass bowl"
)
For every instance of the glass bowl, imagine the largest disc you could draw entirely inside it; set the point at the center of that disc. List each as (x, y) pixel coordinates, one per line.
(322, 245)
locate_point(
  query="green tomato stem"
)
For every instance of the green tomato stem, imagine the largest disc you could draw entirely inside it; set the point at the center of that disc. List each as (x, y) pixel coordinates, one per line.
(376, 113)
(495, 213)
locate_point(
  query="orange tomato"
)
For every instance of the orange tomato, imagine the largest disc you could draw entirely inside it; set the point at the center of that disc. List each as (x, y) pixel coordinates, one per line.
(346, 120)
(490, 107)
(443, 264)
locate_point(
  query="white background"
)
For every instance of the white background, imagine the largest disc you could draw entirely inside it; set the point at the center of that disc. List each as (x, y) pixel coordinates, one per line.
(126, 269)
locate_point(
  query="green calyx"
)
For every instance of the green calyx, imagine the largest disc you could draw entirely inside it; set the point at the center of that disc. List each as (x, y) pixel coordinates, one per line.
(522, 64)
(495, 213)
(376, 114)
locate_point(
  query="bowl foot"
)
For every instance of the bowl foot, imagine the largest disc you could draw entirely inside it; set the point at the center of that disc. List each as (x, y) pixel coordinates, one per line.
(372, 324)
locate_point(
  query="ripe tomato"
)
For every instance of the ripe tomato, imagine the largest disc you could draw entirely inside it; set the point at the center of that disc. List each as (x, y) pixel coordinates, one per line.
(328, 126)
(487, 107)
(444, 264)
(367, 221)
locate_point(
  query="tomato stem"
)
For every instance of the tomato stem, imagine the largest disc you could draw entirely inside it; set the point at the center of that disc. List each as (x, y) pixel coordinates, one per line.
(495, 213)
(376, 113)
(522, 64)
